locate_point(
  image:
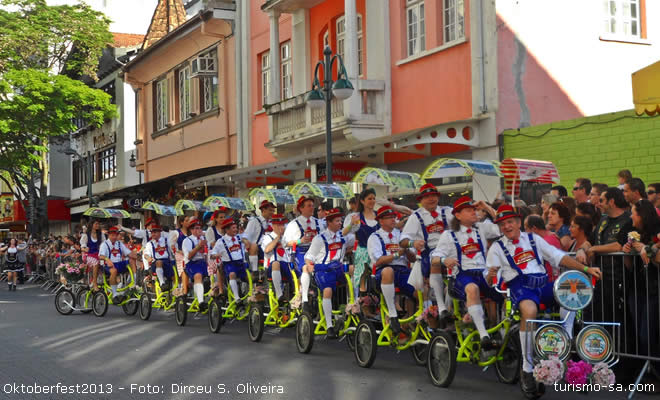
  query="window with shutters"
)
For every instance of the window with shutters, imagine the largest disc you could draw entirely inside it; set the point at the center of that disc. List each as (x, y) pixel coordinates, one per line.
(454, 20)
(287, 76)
(265, 77)
(161, 100)
(415, 28)
(184, 93)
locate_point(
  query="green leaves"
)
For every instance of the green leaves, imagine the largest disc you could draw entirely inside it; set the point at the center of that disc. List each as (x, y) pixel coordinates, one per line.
(35, 35)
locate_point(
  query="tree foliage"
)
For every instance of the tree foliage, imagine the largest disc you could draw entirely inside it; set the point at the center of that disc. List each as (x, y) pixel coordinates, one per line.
(36, 35)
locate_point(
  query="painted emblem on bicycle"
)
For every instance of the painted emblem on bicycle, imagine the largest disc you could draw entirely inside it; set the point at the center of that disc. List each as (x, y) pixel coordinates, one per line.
(594, 344)
(573, 290)
(552, 340)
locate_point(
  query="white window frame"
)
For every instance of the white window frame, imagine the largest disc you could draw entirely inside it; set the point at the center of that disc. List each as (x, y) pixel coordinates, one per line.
(619, 20)
(161, 104)
(453, 16)
(209, 83)
(286, 70)
(415, 27)
(184, 93)
(265, 77)
(341, 41)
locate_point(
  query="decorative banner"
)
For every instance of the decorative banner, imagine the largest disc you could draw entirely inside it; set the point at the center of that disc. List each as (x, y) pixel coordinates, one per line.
(212, 203)
(98, 212)
(193, 205)
(594, 344)
(552, 340)
(276, 196)
(573, 290)
(168, 211)
(517, 170)
(6, 208)
(450, 167)
(327, 191)
(397, 181)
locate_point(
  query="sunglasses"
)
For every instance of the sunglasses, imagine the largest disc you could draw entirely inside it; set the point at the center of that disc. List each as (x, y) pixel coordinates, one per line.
(576, 188)
(651, 192)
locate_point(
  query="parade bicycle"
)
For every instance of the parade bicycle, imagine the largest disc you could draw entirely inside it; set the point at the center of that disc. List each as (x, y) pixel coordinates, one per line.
(234, 308)
(308, 326)
(128, 294)
(154, 296)
(183, 304)
(446, 349)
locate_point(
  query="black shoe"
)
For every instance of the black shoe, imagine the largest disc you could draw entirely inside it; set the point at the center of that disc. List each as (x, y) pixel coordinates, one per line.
(307, 307)
(445, 317)
(395, 326)
(165, 287)
(9, 288)
(117, 299)
(488, 344)
(332, 334)
(203, 307)
(527, 382)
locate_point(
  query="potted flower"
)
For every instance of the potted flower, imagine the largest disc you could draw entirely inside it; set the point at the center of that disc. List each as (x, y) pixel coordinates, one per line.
(549, 371)
(430, 316)
(72, 272)
(602, 375)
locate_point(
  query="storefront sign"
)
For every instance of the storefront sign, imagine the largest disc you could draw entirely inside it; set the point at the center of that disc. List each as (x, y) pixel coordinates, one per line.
(341, 171)
(6, 208)
(135, 202)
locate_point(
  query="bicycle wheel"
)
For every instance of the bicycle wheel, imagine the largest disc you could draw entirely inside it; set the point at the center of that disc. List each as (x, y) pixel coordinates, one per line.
(365, 344)
(83, 301)
(256, 322)
(305, 333)
(145, 306)
(508, 368)
(131, 307)
(350, 340)
(100, 303)
(64, 302)
(419, 352)
(181, 311)
(441, 362)
(215, 316)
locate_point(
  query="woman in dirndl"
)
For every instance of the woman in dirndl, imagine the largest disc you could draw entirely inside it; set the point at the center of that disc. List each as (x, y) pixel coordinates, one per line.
(90, 242)
(362, 223)
(12, 265)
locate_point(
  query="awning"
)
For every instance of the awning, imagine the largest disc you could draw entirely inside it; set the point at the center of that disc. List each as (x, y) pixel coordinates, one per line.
(233, 203)
(451, 167)
(397, 181)
(327, 191)
(646, 90)
(516, 170)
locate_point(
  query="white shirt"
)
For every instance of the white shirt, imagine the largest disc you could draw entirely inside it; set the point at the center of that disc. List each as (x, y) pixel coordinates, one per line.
(173, 239)
(115, 252)
(447, 248)
(210, 234)
(375, 246)
(157, 250)
(497, 258)
(434, 226)
(142, 234)
(255, 226)
(292, 231)
(236, 248)
(323, 225)
(282, 255)
(316, 252)
(189, 244)
(86, 237)
(355, 228)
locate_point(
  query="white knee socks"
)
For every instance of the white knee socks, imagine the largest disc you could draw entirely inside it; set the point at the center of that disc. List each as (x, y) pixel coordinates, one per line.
(327, 311)
(234, 288)
(388, 294)
(199, 292)
(254, 263)
(277, 283)
(526, 346)
(304, 283)
(568, 325)
(438, 287)
(161, 275)
(477, 314)
(114, 290)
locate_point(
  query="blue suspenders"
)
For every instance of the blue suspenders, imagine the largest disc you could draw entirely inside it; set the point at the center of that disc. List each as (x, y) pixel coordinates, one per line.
(459, 250)
(231, 259)
(510, 258)
(327, 250)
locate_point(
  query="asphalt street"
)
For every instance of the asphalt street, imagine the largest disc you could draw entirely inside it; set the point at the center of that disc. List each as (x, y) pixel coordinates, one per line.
(124, 354)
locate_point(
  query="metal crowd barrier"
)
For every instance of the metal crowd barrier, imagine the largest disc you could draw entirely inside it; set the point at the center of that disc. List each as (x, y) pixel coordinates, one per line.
(629, 294)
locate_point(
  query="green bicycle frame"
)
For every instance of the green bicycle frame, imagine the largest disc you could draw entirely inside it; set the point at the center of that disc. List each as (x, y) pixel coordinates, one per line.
(385, 337)
(275, 317)
(349, 324)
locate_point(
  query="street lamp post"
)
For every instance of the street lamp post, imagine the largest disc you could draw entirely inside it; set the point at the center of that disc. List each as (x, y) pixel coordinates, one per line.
(342, 89)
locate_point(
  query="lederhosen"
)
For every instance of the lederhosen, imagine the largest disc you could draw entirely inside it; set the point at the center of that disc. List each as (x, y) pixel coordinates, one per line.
(329, 275)
(239, 267)
(426, 253)
(301, 249)
(467, 276)
(197, 266)
(285, 266)
(168, 270)
(533, 287)
(120, 266)
(401, 273)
